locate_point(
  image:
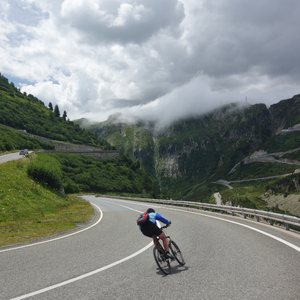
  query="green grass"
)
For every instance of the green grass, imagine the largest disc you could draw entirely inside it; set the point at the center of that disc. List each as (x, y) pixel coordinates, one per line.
(294, 155)
(204, 192)
(260, 170)
(282, 142)
(29, 211)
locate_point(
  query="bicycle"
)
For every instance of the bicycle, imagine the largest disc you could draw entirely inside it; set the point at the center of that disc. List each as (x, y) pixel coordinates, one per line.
(160, 254)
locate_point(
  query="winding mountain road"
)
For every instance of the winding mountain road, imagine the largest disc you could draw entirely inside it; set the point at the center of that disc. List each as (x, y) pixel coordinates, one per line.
(226, 258)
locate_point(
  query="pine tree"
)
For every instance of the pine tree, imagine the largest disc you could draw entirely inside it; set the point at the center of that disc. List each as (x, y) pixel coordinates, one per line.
(65, 115)
(56, 111)
(50, 106)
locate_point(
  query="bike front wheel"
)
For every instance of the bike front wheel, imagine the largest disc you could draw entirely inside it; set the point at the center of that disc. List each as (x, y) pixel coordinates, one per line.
(176, 252)
(162, 262)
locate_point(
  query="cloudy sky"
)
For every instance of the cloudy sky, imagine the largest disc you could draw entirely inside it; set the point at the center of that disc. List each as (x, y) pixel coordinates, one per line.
(161, 59)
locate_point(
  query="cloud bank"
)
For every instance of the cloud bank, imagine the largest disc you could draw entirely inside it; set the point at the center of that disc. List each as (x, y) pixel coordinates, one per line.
(161, 59)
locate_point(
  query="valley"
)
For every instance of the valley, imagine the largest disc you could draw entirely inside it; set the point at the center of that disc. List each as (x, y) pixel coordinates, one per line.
(249, 146)
(241, 144)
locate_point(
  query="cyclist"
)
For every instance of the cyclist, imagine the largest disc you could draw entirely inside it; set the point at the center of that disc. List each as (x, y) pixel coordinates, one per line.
(151, 230)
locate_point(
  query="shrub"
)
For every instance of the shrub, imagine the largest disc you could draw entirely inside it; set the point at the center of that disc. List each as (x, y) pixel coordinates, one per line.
(71, 187)
(46, 170)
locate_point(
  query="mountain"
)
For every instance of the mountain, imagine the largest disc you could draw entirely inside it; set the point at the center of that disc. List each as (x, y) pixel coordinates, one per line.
(132, 136)
(189, 156)
(241, 147)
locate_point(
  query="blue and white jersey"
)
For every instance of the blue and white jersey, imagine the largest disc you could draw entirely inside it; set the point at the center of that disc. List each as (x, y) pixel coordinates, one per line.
(155, 216)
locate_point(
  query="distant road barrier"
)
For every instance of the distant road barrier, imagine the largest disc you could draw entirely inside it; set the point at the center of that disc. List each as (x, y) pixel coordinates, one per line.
(257, 214)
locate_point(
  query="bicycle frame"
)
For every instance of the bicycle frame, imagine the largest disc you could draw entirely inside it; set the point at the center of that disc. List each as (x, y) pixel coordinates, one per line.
(160, 254)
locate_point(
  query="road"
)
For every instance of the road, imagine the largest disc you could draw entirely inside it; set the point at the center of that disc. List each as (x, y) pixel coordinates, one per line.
(226, 258)
(218, 198)
(11, 156)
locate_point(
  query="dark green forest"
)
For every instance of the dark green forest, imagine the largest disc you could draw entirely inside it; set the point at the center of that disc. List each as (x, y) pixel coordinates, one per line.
(11, 140)
(81, 173)
(26, 112)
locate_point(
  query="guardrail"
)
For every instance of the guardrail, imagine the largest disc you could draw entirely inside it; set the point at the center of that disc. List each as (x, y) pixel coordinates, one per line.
(255, 213)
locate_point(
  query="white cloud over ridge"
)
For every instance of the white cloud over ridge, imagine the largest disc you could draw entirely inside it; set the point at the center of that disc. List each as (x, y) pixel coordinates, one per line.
(162, 59)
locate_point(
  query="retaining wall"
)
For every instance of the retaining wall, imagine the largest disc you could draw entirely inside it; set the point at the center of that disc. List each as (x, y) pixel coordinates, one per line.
(62, 147)
(97, 152)
(100, 155)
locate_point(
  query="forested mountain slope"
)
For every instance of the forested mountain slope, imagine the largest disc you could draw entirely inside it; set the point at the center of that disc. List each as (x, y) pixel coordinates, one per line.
(189, 156)
(26, 112)
(185, 159)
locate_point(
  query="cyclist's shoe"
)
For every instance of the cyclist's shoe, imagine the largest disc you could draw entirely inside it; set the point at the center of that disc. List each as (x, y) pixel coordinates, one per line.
(168, 255)
(160, 251)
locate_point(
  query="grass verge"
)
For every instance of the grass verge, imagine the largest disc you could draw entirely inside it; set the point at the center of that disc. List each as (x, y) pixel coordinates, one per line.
(29, 211)
(20, 231)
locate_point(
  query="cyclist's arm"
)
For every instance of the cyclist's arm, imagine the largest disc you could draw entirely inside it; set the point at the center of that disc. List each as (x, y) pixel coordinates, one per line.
(162, 219)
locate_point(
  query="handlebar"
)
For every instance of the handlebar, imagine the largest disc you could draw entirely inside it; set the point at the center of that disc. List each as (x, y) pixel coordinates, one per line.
(166, 226)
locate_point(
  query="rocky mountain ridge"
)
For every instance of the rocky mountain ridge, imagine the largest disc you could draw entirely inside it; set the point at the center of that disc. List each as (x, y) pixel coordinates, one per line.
(191, 154)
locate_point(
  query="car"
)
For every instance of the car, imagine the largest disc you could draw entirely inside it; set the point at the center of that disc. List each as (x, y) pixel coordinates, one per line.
(23, 152)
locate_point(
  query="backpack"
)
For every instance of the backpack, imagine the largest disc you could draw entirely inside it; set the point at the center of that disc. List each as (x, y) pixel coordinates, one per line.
(142, 219)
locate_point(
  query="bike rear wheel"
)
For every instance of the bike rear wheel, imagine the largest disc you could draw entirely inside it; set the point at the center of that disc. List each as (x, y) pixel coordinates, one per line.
(176, 252)
(162, 262)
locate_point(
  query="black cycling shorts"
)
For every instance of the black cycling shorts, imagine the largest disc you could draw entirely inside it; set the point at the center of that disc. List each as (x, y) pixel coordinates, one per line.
(151, 229)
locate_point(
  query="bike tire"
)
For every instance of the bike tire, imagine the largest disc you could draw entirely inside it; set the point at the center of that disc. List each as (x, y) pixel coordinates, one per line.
(161, 261)
(176, 253)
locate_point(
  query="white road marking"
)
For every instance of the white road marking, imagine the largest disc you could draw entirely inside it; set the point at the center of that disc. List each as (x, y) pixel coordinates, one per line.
(83, 276)
(58, 238)
(234, 222)
(252, 228)
(55, 286)
(142, 250)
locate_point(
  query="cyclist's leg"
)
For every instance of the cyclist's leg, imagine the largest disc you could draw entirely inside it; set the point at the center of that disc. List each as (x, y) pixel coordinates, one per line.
(163, 237)
(154, 231)
(155, 240)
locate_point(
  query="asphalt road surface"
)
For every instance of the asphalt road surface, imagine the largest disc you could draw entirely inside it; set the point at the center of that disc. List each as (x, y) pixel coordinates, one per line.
(11, 156)
(226, 258)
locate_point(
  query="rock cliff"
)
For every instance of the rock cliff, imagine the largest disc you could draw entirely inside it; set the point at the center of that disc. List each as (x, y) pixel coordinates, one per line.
(204, 148)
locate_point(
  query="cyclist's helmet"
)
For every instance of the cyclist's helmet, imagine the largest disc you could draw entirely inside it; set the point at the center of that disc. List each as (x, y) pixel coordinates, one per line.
(150, 210)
